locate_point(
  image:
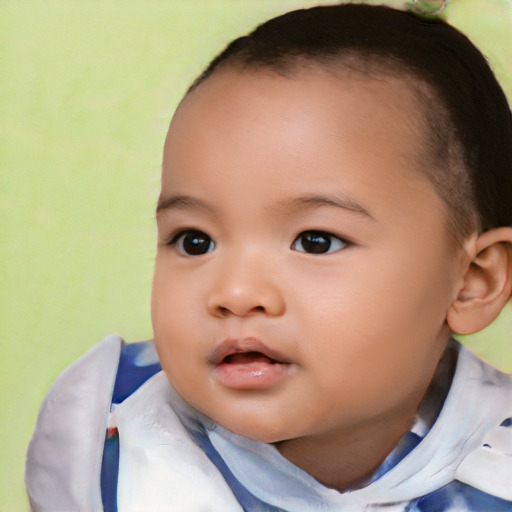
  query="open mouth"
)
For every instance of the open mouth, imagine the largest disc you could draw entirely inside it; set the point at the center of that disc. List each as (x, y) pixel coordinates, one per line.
(248, 358)
(248, 364)
(244, 351)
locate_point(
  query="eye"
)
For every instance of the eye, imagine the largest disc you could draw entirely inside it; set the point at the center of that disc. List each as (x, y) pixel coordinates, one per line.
(318, 242)
(192, 242)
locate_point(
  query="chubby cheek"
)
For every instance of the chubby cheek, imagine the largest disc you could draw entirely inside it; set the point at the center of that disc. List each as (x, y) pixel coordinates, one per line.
(374, 340)
(172, 324)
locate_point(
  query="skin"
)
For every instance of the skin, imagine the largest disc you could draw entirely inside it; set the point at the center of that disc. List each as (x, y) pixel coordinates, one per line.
(261, 159)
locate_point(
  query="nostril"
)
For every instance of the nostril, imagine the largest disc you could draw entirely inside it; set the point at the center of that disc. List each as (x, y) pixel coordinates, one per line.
(224, 311)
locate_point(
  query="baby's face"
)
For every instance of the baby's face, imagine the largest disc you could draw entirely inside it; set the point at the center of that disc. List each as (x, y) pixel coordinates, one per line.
(303, 271)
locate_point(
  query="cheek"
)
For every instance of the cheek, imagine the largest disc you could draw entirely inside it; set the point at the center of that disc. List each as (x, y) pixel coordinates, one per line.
(176, 351)
(170, 311)
(173, 297)
(386, 316)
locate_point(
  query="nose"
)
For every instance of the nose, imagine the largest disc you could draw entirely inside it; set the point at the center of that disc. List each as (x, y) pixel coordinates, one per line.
(244, 287)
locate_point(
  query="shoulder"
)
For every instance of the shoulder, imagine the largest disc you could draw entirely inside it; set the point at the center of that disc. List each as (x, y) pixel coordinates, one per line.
(67, 444)
(488, 466)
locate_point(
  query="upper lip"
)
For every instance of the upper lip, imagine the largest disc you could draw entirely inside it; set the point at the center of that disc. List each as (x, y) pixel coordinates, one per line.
(243, 345)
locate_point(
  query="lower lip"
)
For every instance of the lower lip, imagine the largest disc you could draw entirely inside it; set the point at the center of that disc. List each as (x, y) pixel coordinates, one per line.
(256, 374)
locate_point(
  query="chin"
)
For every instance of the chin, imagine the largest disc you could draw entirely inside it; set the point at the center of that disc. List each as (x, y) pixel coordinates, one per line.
(264, 432)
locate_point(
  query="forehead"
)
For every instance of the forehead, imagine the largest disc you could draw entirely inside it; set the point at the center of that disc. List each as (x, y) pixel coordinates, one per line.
(238, 113)
(344, 102)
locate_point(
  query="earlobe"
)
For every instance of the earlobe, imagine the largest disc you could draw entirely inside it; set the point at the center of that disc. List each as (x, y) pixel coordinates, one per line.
(487, 283)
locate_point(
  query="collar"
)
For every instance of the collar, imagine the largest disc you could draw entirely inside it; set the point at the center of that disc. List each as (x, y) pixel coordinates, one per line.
(155, 427)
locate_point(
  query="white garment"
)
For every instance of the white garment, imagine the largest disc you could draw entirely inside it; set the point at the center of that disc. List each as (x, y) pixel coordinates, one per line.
(162, 469)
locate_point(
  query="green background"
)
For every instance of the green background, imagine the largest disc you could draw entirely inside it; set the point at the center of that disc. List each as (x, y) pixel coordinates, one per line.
(87, 88)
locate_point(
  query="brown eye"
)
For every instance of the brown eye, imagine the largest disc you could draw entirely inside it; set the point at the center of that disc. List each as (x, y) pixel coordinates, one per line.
(318, 242)
(193, 242)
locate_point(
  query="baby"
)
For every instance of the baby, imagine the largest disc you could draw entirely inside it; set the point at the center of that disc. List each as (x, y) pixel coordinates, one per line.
(336, 201)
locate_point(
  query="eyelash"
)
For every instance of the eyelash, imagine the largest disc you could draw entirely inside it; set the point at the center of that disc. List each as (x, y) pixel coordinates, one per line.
(178, 239)
(317, 236)
(205, 244)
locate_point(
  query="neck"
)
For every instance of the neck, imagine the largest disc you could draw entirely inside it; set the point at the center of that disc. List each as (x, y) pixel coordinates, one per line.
(346, 459)
(343, 460)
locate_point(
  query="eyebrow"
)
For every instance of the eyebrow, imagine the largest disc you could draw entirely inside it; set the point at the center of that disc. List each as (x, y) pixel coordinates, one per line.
(184, 202)
(181, 202)
(320, 200)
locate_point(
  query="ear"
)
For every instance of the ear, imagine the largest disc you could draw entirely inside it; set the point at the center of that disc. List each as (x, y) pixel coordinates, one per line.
(487, 283)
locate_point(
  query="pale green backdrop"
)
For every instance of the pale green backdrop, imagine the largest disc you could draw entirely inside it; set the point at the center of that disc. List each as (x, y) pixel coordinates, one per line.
(87, 88)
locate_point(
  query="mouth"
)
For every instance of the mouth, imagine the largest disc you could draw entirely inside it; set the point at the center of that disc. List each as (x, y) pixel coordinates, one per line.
(248, 358)
(248, 363)
(245, 350)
